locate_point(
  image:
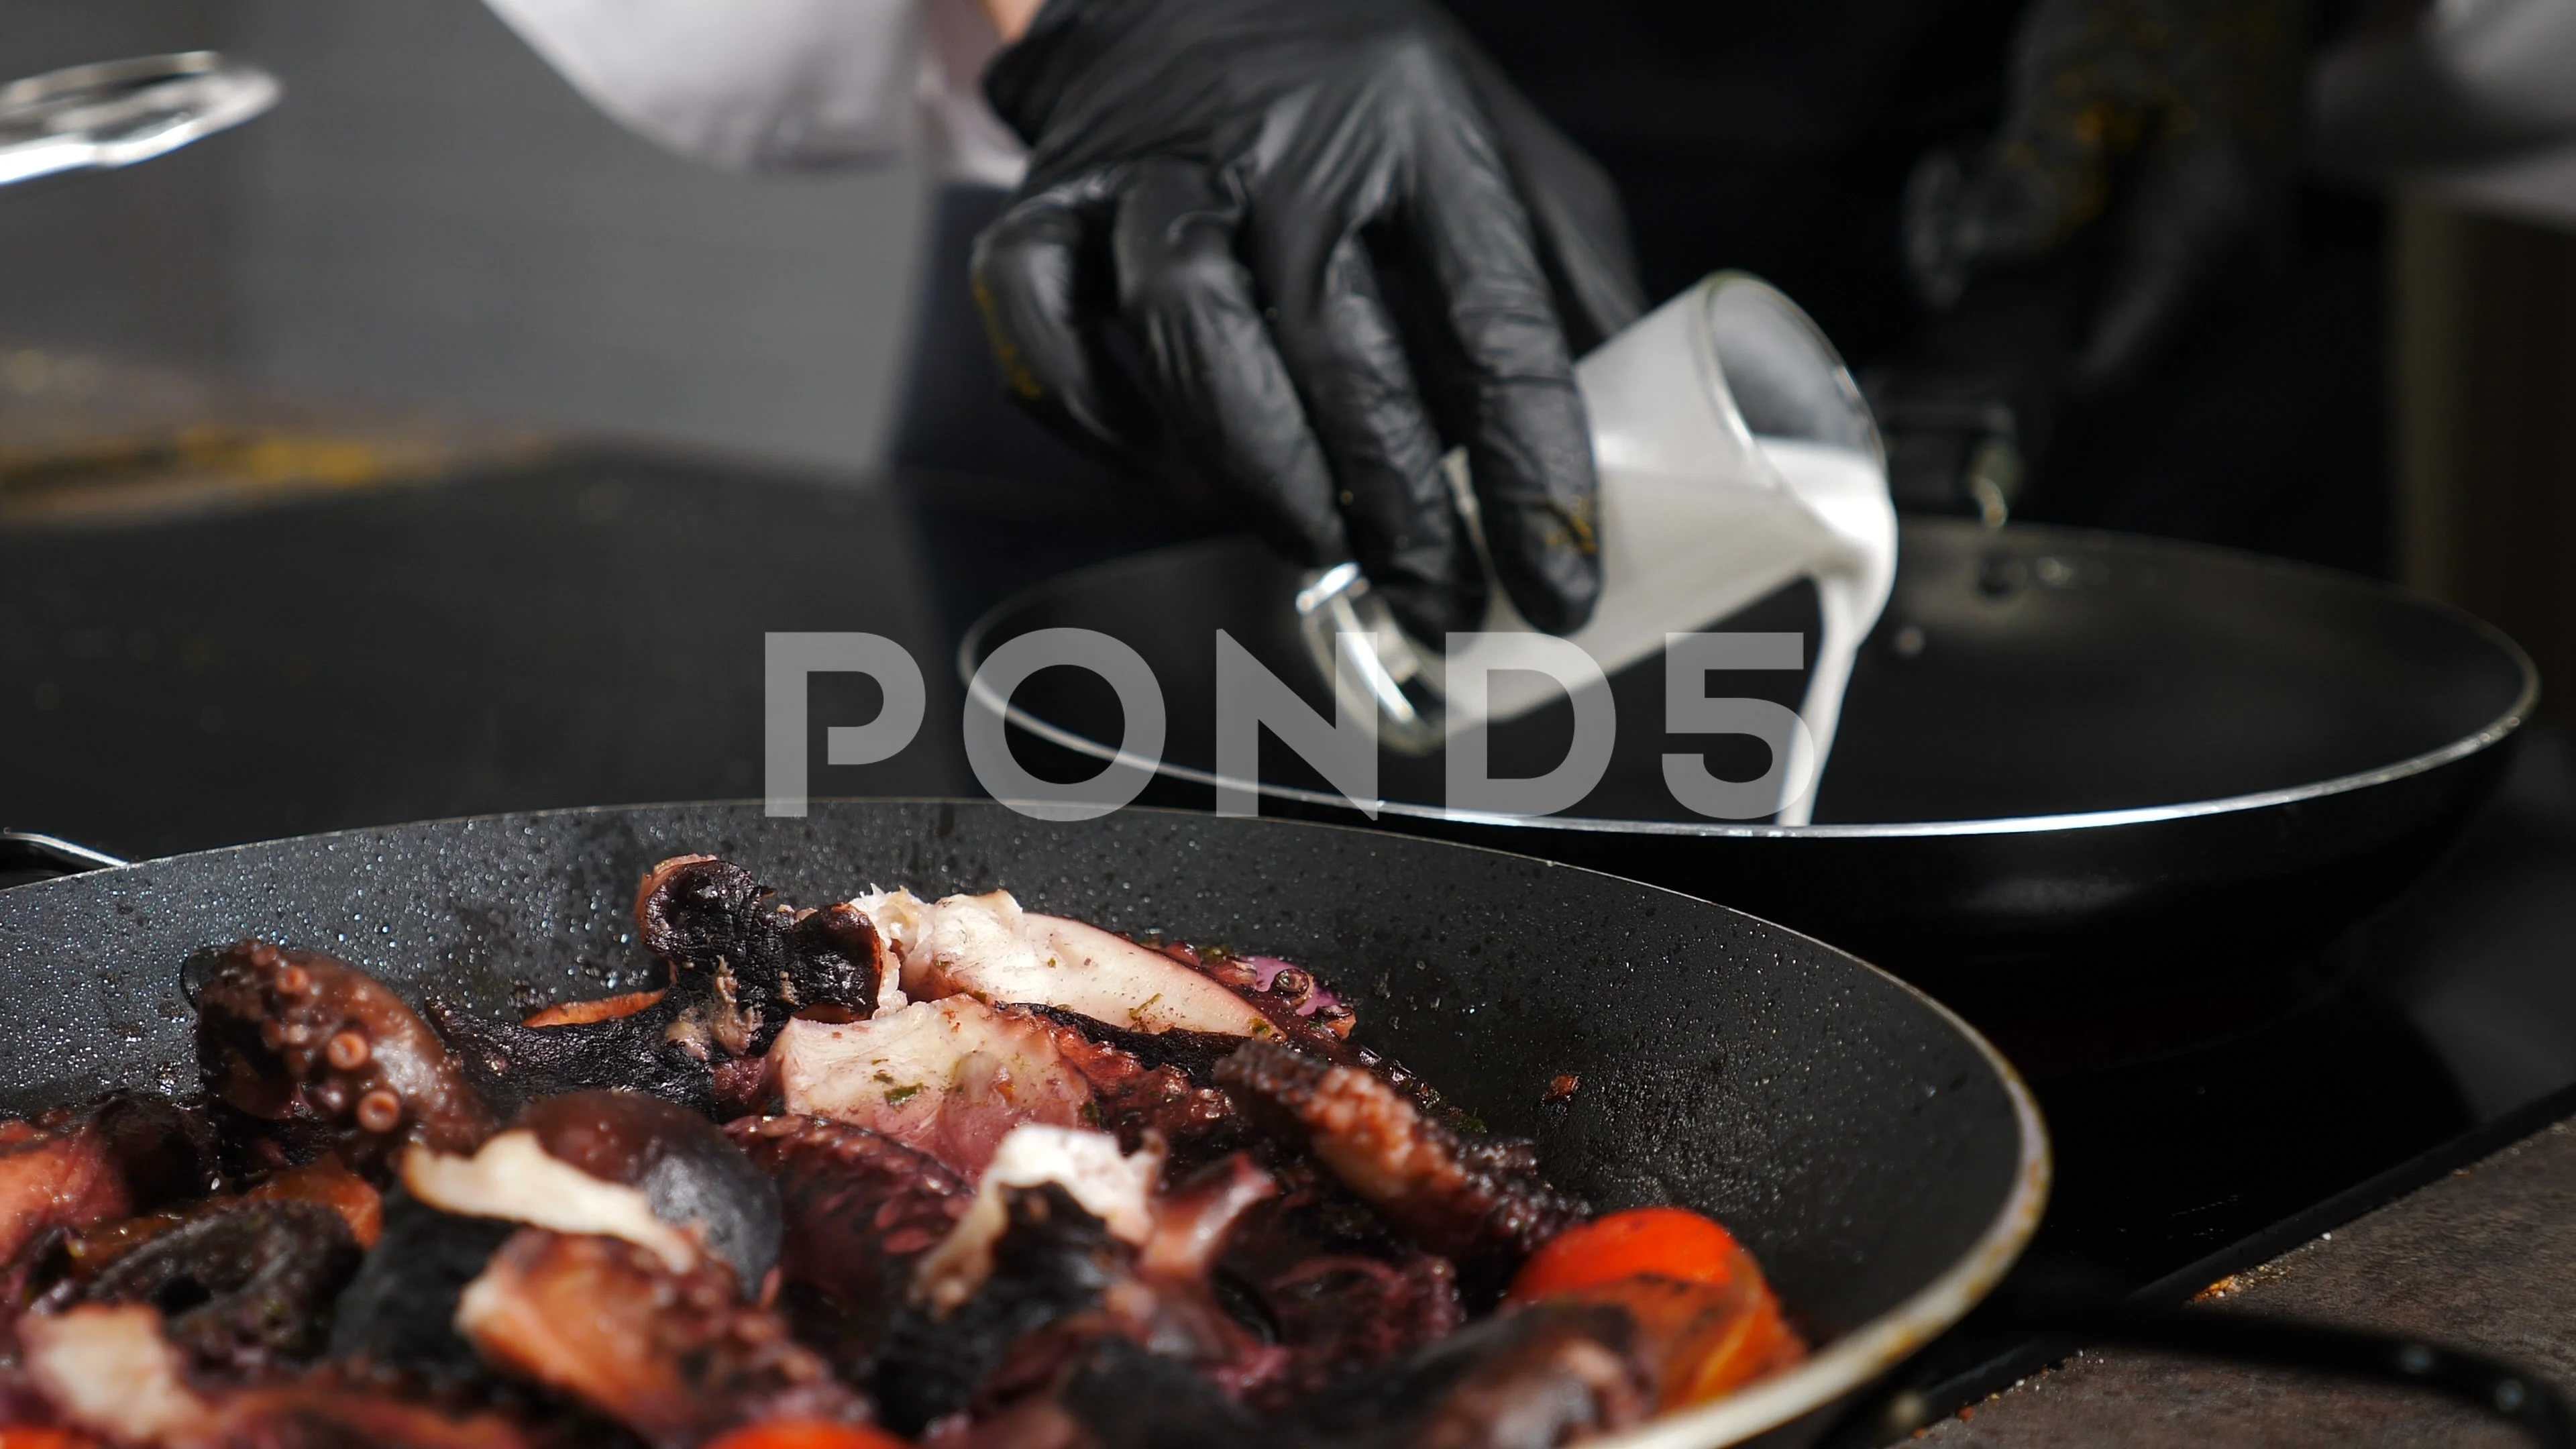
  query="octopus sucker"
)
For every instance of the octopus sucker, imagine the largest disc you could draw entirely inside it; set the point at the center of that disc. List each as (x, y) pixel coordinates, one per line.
(329, 1057)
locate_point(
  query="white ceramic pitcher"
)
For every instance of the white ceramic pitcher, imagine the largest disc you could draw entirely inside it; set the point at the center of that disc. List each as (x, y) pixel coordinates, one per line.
(1735, 455)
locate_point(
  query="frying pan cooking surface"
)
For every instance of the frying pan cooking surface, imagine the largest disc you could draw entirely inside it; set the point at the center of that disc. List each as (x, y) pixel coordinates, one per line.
(2054, 741)
(1881, 1160)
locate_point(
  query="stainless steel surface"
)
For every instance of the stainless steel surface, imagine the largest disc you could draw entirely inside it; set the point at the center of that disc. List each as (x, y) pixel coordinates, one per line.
(117, 113)
(26, 849)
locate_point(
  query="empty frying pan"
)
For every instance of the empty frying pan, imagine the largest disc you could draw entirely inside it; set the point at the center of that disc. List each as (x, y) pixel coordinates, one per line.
(2059, 747)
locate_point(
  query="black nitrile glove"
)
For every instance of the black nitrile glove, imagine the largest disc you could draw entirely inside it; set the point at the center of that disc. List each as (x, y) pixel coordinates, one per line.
(1284, 250)
(2188, 109)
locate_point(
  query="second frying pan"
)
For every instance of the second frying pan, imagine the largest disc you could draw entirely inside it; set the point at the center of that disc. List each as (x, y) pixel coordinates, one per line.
(2059, 747)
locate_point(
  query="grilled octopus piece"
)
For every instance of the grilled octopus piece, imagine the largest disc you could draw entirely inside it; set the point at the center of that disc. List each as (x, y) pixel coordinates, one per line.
(1532, 1379)
(859, 1212)
(989, 948)
(245, 1289)
(692, 1174)
(739, 968)
(673, 1356)
(1053, 1261)
(1058, 1279)
(1149, 1085)
(79, 1167)
(1299, 1011)
(1342, 1291)
(950, 1078)
(707, 916)
(314, 1055)
(108, 1371)
(397, 1316)
(1536, 1379)
(612, 1163)
(1479, 1200)
(326, 1181)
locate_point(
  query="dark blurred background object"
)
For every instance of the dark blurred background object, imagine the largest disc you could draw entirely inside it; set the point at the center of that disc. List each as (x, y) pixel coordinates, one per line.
(436, 219)
(433, 217)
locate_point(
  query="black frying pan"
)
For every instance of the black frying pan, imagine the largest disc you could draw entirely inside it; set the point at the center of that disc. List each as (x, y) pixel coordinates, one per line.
(1880, 1158)
(1883, 1162)
(2059, 746)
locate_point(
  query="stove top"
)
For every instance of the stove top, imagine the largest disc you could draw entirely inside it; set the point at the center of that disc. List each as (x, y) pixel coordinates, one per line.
(588, 631)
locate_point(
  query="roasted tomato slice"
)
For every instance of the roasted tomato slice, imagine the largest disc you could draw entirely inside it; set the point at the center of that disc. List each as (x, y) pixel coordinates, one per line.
(1667, 1242)
(809, 1434)
(1706, 1320)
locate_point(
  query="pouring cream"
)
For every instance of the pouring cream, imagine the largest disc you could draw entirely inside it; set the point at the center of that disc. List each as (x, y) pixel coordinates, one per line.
(1735, 456)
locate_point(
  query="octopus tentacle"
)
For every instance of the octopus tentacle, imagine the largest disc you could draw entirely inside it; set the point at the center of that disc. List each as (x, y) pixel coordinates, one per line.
(247, 1288)
(1548, 1375)
(298, 1039)
(1473, 1198)
(672, 1356)
(78, 1167)
(859, 1211)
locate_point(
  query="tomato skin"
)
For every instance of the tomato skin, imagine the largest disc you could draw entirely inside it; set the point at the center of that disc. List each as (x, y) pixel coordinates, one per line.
(22, 1436)
(799, 1434)
(1701, 1341)
(1665, 1242)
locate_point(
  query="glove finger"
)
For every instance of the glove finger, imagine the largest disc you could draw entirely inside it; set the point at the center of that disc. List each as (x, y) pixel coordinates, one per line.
(1344, 351)
(1033, 280)
(2076, 100)
(1507, 375)
(1207, 364)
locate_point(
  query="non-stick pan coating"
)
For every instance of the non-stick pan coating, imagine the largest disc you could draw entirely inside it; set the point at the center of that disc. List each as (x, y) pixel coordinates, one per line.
(1859, 1139)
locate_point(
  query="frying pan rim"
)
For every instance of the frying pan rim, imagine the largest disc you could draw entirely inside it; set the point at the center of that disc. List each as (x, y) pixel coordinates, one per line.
(2486, 736)
(1846, 1364)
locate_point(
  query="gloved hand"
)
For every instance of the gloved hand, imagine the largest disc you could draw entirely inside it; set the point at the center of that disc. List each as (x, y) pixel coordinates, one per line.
(2188, 107)
(1283, 251)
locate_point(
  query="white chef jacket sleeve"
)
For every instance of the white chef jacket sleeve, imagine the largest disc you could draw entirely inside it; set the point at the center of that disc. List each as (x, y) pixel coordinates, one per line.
(2462, 83)
(784, 84)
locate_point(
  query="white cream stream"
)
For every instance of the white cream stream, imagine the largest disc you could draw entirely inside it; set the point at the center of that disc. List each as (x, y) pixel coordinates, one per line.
(1847, 492)
(1699, 516)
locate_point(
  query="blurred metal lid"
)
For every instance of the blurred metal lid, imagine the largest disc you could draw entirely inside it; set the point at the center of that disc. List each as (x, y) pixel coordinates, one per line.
(99, 117)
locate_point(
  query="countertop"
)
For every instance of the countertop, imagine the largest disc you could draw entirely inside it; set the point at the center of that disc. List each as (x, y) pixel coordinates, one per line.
(2480, 1259)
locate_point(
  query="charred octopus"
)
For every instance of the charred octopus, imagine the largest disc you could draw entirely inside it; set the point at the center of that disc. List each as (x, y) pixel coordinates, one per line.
(949, 1171)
